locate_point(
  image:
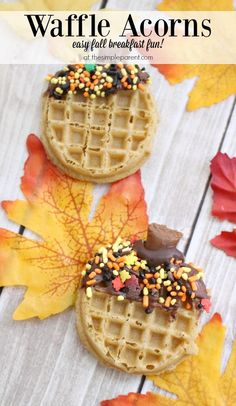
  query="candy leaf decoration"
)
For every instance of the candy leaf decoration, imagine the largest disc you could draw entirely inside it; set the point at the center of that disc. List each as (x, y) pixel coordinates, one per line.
(48, 5)
(197, 380)
(215, 82)
(223, 183)
(57, 209)
(226, 241)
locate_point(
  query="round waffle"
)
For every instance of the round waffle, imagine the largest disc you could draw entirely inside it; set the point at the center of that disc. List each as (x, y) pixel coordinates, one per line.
(121, 335)
(99, 140)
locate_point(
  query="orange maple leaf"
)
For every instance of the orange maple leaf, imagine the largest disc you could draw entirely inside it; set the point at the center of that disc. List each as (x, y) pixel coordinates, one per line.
(197, 380)
(215, 82)
(57, 210)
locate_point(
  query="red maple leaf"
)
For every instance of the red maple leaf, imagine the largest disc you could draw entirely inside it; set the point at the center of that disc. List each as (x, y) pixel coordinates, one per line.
(226, 241)
(223, 183)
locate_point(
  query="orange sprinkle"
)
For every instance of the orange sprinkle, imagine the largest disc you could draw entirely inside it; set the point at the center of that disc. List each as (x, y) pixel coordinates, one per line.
(97, 259)
(129, 86)
(109, 85)
(188, 306)
(92, 275)
(72, 87)
(184, 289)
(121, 259)
(123, 79)
(116, 266)
(145, 301)
(193, 278)
(156, 275)
(169, 289)
(152, 286)
(136, 267)
(193, 286)
(158, 286)
(121, 264)
(92, 282)
(111, 256)
(72, 73)
(148, 275)
(86, 94)
(183, 299)
(173, 293)
(98, 271)
(125, 84)
(141, 285)
(167, 302)
(120, 65)
(179, 273)
(180, 294)
(193, 295)
(110, 265)
(145, 281)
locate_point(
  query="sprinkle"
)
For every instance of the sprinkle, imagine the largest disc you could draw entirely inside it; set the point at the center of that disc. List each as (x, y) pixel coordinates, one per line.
(148, 275)
(101, 265)
(83, 273)
(186, 269)
(193, 286)
(98, 271)
(89, 292)
(185, 276)
(124, 275)
(92, 282)
(116, 273)
(161, 300)
(88, 266)
(188, 306)
(159, 280)
(92, 275)
(145, 291)
(173, 301)
(120, 298)
(162, 273)
(145, 301)
(97, 259)
(173, 293)
(167, 301)
(167, 283)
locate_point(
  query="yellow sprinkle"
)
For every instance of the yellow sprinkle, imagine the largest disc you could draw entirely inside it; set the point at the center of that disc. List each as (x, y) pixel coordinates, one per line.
(167, 283)
(159, 280)
(145, 291)
(177, 287)
(161, 300)
(88, 266)
(120, 298)
(89, 292)
(184, 276)
(101, 265)
(54, 81)
(162, 273)
(173, 301)
(83, 273)
(185, 269)
(124, 275)
(116, 273)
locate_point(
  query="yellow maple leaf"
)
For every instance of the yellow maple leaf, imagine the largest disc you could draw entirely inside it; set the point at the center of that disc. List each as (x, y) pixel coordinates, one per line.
(49, 5)
(197, 381)
(215, 82)
(57, 209)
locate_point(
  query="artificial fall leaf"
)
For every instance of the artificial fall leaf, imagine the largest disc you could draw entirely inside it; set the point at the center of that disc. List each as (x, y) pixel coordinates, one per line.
(196, 5)
(215, 82)
(57, 209)
(117, 284)
(223, 183)
(226, 241)
(197, 380)
(50, 5)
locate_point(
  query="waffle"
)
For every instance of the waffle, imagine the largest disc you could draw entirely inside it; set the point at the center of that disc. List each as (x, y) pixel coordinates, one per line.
(100, 140)
(121, 335)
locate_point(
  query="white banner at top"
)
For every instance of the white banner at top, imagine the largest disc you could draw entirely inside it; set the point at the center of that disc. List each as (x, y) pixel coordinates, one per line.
(143, 37)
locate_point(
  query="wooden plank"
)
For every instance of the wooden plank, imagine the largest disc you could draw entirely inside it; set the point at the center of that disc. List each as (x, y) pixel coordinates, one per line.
(219, 268)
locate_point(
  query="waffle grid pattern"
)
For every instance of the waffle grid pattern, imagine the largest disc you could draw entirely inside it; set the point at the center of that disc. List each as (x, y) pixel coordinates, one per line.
(101, 135)
(136, 340)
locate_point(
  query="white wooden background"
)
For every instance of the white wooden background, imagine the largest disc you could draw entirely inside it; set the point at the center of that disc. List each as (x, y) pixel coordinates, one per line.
(42, 363)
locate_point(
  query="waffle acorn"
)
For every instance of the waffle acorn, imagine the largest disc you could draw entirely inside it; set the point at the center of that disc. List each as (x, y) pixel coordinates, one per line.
(139, 304)
(104, 133)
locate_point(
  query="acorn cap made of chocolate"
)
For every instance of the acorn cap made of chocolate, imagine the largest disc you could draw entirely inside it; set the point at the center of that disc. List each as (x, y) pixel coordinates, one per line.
(160, 236)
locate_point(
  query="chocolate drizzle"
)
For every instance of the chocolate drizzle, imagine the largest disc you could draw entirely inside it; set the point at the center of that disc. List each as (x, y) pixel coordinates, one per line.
(152, 271)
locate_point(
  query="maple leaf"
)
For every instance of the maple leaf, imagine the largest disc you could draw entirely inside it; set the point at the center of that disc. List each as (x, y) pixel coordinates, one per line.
(117, 284)
(226, 241)
(197, 380)
(223, 183)
(215, 82)
(57, 209)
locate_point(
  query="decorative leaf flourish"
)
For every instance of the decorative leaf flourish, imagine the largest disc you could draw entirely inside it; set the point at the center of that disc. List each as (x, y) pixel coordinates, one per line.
(197, 380)
(215, 82)
(57, 209)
